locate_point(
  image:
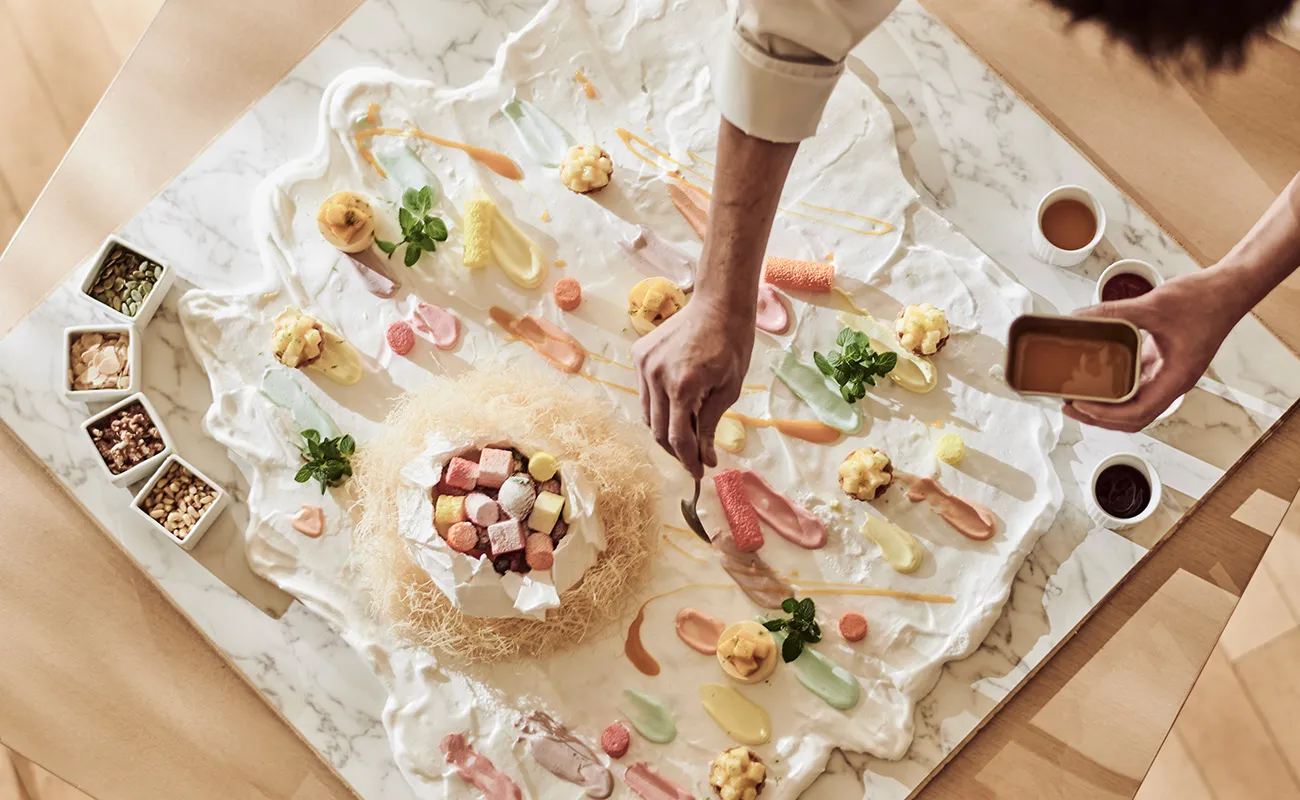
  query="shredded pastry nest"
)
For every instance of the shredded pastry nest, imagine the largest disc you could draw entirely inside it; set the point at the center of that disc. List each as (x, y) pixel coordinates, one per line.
(505, 403)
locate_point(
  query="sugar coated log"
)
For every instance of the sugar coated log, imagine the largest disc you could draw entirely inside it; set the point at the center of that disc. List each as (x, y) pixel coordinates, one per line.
(741, 516)
(798, 276)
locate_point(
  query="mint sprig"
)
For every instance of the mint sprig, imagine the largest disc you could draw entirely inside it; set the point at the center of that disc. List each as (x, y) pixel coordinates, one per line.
(329, 461)
(856, 366)
(420, 232)
(800, 628)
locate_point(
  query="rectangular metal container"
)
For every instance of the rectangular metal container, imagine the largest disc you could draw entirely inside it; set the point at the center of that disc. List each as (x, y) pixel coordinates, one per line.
(1026, 328)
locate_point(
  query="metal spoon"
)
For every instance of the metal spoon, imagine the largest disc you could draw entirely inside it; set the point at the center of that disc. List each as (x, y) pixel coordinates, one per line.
(689, 512)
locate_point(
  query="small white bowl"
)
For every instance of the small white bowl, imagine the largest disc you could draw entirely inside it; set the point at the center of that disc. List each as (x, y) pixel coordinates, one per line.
(205, 521)
(133, 358)
(151, 301)
(1149, 472)
(1126, 266)
(142, 470)
(1044, 250)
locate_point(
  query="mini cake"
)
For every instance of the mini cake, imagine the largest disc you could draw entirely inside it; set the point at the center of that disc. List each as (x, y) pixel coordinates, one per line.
(747, 652)
(738, 774)
(586, 168)
(302, 342)
(347, 221)
(922, 328)
(865, 473)
(652, 301)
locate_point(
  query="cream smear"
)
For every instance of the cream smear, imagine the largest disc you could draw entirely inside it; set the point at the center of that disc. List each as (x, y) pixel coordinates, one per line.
(656, 256)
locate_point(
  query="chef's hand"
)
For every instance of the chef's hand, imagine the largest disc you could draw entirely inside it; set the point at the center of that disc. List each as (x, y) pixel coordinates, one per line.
(690, 370)
(1184, 325)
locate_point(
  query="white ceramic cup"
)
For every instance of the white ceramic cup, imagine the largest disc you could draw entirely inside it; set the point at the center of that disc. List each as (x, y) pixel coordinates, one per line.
(1127, 266)
(1148, 471)
(1046, 251)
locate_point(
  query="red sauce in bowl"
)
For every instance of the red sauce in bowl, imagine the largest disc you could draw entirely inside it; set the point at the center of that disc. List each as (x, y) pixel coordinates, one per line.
(1125, 286)
(1122, 491)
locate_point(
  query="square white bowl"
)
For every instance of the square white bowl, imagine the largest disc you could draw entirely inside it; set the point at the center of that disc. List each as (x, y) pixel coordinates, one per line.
(204, 522)
(151, 302)
(142, 470)
(134, 351)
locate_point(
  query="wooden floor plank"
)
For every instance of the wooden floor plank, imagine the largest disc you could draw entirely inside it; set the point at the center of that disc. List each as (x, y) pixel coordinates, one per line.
(125, 21)
(1269, 675)
(1232, 746)
(75, 76)
(32, 138)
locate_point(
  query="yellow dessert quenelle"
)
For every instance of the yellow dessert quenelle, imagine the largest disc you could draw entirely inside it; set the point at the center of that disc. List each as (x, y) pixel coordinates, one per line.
(652, 301)
(922, 328)
(950, 449)
(747, 652)
(865, 473)
(738, 774)
(347, 221)
(301, 341)
(586, 168)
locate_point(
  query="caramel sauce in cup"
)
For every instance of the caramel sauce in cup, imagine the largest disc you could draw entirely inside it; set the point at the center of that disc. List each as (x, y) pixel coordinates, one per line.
(1075, 358)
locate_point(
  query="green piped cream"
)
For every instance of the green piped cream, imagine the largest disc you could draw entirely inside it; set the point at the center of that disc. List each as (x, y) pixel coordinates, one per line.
(835, 685)
(650, 717)
(810, 386)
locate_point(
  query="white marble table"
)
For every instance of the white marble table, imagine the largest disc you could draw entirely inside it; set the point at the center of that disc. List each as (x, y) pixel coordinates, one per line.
(977, 153)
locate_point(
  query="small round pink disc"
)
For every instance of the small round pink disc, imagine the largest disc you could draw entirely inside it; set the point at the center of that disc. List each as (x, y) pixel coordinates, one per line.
(400, 337)
(853, 626)
(615, 740)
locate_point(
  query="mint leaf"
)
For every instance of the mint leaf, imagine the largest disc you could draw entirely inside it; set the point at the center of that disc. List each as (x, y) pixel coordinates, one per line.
(411, 199)
(426, 199)
(886, 362)
(773, 625)
(387, 247)
(304, 474)
(805, 610)
(412, 255)
(407, 220)
(789, 605)
(823, 365)
(792, 649)
(436, 229)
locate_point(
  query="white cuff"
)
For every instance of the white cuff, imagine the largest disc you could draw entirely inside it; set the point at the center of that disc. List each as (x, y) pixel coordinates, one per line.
(770, 98)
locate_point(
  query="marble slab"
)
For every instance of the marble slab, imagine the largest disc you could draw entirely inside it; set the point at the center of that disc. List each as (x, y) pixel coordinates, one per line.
(974, 151)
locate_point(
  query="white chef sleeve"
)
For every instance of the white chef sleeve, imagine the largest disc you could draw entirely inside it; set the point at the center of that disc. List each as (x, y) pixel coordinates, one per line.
(782, 60)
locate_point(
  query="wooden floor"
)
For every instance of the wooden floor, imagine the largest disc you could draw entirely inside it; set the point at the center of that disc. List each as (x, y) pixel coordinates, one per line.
(57, 58)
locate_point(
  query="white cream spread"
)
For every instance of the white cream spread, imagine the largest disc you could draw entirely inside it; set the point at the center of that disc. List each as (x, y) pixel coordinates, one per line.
(900, 662)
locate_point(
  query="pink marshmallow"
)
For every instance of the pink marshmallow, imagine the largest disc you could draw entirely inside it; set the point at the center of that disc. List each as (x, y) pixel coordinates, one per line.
(539, 551)
(481, 509)
(494, 466)
(741, 516)
(506, 537)
(461, 473)
(463, 537)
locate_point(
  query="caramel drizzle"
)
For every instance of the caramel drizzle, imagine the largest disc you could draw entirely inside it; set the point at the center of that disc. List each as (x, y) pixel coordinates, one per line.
(499, 163)
(808, 430)
(629, 139)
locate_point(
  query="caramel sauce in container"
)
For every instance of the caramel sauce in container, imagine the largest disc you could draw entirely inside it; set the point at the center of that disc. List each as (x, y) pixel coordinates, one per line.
(1075, 358)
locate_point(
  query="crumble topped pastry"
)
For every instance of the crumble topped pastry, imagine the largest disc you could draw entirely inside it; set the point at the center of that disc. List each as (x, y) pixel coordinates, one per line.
(865, 473)
(738, 774)
(922, 328)
(586, 168)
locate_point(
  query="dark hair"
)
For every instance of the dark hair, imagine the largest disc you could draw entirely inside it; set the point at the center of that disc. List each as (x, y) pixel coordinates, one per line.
(1196, 34)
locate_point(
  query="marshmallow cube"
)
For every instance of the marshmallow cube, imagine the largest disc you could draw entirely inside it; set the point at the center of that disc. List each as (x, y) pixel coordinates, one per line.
(461, 473)
(538, 551)
(741, 516)
(449, 510)
(506, 537)
(546, 511)
(494, 466)
(481, 509)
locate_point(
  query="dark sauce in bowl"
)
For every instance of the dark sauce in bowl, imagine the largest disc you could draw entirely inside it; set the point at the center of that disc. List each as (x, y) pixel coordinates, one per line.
(1125, 286)
(1122, 491)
